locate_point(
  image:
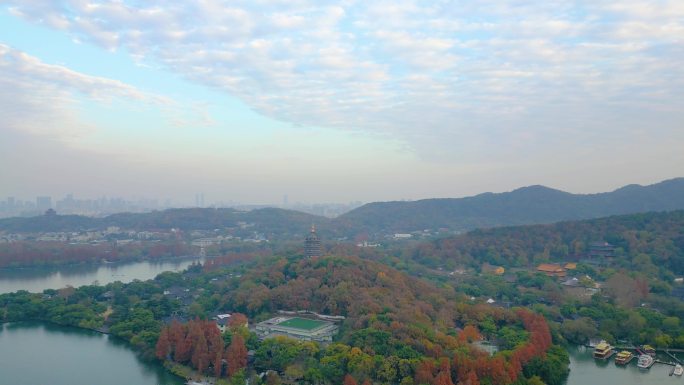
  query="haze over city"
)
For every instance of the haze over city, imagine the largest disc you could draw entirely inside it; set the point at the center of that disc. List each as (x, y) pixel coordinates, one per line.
(337, 102)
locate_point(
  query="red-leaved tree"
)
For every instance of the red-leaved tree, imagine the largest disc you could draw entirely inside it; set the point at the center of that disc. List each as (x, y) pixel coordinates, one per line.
(349, 380)
(236, 355)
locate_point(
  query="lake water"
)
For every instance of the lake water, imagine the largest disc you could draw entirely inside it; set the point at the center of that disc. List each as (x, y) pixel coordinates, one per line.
(39, 279)
(584, 370)
(37, 353)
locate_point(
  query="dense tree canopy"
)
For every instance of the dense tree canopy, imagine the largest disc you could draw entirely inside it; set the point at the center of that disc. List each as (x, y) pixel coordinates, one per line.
(643, 242)
(397, 329)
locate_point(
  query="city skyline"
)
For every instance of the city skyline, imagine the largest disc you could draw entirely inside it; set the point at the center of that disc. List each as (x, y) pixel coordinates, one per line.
(198, 200)
(337, 102)
(99, 206)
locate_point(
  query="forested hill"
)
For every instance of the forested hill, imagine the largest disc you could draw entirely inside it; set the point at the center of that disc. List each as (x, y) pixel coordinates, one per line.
(393, 321)
(527, 205)
(267, 220)
(396, 329)
(643, 242)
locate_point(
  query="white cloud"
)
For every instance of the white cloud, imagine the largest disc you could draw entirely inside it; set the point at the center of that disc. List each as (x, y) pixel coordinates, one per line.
(16, 64)
(447, 77)
(45, 99)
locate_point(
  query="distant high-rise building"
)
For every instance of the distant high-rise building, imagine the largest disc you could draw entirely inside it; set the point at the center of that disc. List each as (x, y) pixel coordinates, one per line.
(43, 203)
(285, 200)
(312, 245)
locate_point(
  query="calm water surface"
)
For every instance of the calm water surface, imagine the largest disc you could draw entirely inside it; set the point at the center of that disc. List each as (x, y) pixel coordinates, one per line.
(584, 370)
(39, 279)
(37, 354)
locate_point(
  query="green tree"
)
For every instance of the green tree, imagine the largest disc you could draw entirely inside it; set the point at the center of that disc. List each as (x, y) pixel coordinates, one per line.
(579, 331)
(671, 324)
(663, 341)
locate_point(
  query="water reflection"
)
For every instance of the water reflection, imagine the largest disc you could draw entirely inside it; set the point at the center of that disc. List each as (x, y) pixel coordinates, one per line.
(41, 278)
(36, 353)
(584, 369)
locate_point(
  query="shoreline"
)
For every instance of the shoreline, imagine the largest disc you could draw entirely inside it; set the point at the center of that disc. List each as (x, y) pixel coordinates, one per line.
(98, 263)
(139, 354)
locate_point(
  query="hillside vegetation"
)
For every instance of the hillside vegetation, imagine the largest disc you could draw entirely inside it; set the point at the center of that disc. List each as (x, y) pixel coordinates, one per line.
(528, 205)
(397, 329)
(644, 242)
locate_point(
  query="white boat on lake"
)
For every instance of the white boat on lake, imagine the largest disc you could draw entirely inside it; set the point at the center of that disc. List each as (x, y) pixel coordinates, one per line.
(645, 361)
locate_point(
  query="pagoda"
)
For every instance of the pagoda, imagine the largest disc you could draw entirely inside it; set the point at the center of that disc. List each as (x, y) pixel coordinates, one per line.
(312, 245)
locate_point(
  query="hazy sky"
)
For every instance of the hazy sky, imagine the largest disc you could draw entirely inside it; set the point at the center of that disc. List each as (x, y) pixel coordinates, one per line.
(337, 100)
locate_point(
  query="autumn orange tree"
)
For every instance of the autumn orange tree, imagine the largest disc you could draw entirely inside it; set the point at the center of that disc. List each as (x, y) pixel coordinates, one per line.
(397, 329)
(349, 380)
(473, 365)
(236, 355)
(197, 343)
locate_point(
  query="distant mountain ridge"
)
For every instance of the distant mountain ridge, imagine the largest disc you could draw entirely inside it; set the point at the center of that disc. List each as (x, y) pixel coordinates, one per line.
(527, 205)
(269, 221)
